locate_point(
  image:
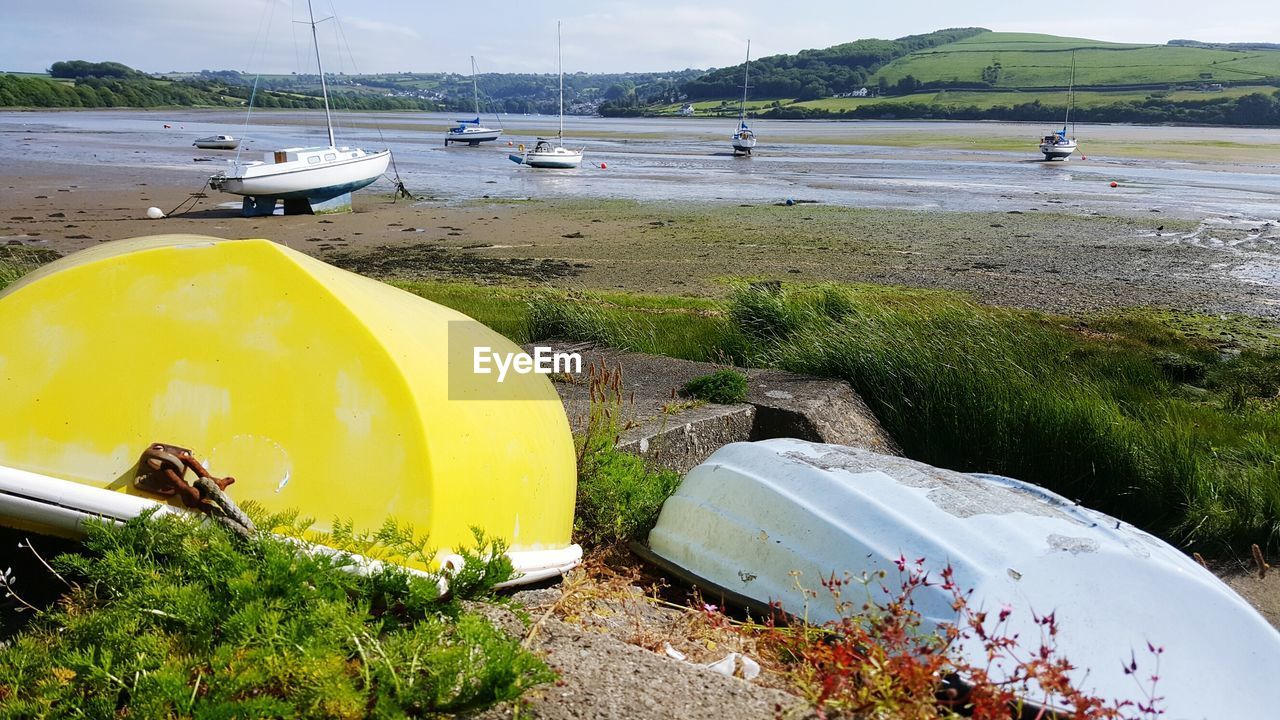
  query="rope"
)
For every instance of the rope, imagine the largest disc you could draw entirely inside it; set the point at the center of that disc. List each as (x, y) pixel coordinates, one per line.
(225, 511)
(194, 198)
(264, 30)
(400, 188)
(402, 191)
(493, 106)
(161, 470)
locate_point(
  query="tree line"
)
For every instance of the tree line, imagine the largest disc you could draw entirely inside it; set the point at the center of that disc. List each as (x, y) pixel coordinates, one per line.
(81, 84)
(91, 91)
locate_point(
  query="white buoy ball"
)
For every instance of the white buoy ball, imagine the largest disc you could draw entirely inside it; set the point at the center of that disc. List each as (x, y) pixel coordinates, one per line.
(155, 213)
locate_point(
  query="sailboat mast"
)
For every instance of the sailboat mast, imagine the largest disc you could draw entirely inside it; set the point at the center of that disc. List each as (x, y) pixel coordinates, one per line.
(475, 91)
(324, 89)
(746, 78)
(1071, 92)
(560, 69)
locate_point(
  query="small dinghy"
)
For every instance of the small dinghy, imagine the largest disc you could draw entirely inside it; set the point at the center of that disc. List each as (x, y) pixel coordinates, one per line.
(217, 142)
(319, 390)
(753, 515)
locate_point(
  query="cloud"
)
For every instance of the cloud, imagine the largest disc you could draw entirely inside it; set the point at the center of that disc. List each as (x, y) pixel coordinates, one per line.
(642, 37)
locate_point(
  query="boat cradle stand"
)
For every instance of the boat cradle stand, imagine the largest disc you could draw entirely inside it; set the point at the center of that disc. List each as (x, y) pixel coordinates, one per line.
(266, 205)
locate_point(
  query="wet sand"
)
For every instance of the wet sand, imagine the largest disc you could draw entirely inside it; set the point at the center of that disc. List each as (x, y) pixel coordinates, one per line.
(1040, 259)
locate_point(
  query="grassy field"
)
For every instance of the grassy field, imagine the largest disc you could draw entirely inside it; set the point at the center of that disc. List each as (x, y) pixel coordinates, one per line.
(1188, 150)
(719, 107)
(1084, 99)
(1045, 61)
(990, 41)
(1132, 414)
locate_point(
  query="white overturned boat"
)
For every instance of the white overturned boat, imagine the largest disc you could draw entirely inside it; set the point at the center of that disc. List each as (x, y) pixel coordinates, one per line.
(308, 179)
(754, 514)
(217, 142)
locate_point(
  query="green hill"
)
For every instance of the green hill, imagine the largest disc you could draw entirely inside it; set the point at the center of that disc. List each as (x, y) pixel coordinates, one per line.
(811, 74)
(1026, 61)
(977, 74)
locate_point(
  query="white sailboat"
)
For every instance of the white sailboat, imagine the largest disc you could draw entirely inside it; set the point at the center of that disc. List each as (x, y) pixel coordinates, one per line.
(471, 132)
(549, 152)
(217, 142)
(743, 137)
(1056, 145)
(306, 178)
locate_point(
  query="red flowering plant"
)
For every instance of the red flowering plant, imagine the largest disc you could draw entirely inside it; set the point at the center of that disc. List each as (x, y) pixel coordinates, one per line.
(879, 659)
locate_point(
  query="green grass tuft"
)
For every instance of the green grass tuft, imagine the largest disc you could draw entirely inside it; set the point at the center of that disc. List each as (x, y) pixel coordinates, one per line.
(1101, 420)
(16, 261)
(619, 494)
(167, 617)
(1145, 415)
(689, 333)
(725, 386)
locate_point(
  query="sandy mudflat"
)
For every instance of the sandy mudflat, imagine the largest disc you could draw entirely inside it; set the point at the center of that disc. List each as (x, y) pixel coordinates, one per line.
(1045, 257)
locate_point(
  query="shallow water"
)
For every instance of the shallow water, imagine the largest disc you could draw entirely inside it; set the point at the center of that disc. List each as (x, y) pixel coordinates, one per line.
(689, 159)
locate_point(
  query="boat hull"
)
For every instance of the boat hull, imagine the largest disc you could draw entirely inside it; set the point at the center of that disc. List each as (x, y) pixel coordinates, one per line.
(298, 180)
(1057, 151)
(560, 160)
(743, 145)
(217, 143)
(39, 503)
(319, 390)
(472, 137)
(756, 514)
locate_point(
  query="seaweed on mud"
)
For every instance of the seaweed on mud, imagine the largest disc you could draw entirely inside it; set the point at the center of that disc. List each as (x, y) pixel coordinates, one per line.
(424, 260)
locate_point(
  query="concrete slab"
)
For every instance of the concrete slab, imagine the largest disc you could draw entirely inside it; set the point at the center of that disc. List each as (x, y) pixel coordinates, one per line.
(658, 422)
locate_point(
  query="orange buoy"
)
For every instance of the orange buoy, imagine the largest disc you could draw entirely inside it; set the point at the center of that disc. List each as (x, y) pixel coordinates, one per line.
(1114, 184)
(604, 166)
(509, 143)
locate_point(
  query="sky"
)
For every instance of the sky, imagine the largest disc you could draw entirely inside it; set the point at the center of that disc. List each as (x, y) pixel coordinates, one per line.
(259, 36)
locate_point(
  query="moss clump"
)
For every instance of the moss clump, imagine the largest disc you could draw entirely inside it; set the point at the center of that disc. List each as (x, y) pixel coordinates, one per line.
(722, 386)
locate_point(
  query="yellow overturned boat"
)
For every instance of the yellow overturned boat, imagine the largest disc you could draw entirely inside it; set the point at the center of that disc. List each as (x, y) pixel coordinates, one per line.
(317, 389)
